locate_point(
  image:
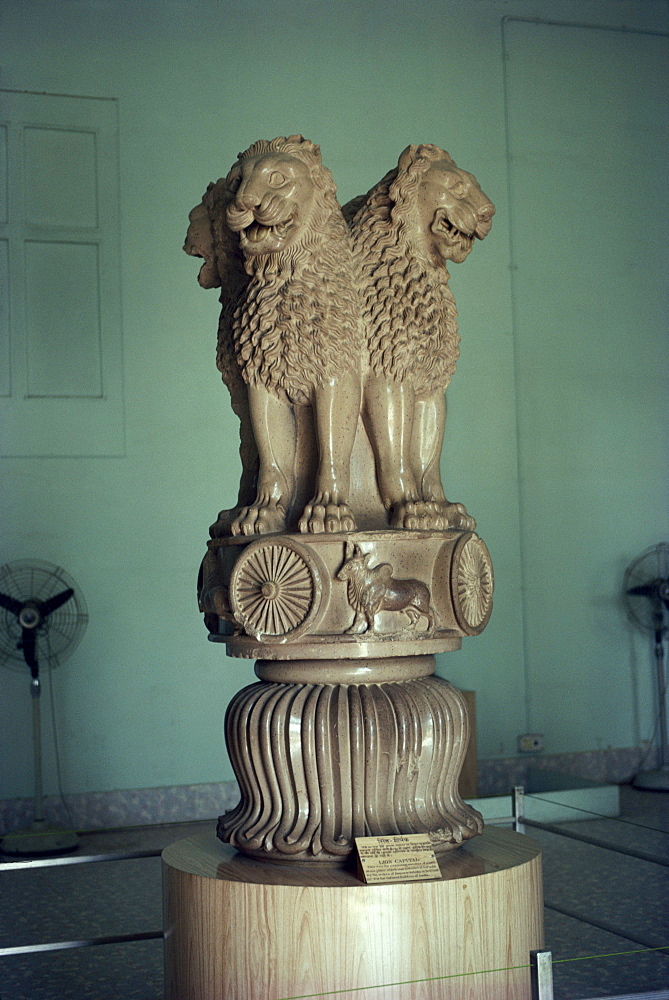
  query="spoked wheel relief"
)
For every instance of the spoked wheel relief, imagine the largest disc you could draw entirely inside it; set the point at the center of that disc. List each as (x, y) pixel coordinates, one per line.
(277, 589)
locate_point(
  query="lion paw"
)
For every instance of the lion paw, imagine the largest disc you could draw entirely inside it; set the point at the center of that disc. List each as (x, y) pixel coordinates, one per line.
(430, 515)
(259, 519)
(417, 515)
(359, 627)
(456, 516)
(222, 526)
(322, 516)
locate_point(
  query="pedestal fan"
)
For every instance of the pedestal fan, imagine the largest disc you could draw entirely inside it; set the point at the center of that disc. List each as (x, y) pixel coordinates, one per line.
(42, 619)
(646, 596)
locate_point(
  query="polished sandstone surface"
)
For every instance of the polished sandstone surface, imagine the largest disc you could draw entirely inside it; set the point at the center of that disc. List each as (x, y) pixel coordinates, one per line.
(320, 763)
(337, 339)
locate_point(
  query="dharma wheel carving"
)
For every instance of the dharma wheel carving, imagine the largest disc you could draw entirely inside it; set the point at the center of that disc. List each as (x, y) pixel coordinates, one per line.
(472, 584)
(276, 589)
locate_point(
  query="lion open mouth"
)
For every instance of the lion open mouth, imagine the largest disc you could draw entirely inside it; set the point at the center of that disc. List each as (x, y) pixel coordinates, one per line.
(257, 227)
(257, 232)
(455, 235)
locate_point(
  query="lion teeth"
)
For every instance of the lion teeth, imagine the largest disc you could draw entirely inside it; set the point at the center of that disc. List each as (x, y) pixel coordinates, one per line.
(256, 233)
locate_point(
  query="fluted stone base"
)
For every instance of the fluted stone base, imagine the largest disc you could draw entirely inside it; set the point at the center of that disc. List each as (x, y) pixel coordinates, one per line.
(326, 751)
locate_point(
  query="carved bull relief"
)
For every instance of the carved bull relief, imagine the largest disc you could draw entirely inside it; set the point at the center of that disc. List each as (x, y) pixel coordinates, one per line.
(371, 589)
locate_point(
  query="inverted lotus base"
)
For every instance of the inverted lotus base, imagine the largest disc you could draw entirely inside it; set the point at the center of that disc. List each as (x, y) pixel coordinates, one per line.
(321, 762)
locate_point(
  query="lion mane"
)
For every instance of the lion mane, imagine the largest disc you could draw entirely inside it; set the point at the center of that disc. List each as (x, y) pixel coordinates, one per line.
(210, 238)
(408, 309)
(297, 323)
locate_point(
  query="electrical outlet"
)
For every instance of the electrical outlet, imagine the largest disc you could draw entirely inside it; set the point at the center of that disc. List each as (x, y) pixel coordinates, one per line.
(530, 743)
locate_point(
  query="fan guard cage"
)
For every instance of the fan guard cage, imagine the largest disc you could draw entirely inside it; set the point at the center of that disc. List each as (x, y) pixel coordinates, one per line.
(651, 565)
(59, 635)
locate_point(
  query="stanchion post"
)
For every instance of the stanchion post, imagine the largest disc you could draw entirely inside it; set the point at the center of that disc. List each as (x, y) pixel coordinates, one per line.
(519, 808)
(541, 968)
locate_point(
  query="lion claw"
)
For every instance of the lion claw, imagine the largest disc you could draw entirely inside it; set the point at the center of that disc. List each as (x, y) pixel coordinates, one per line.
(430, 515)
(222, 526)
(259, 519)
(414, 515)
(456, 516)
(319, 518)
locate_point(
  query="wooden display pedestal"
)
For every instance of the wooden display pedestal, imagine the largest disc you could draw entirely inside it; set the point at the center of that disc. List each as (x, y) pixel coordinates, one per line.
(237, 929)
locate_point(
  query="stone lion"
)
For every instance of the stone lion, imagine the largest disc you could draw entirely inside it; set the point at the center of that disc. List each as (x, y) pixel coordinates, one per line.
(422, 214)
(290, 326)
(209, 237)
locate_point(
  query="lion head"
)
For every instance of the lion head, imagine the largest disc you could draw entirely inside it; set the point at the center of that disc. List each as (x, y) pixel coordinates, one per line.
(441, 206)
(278, 193)
(210, 237)
(297, 324)
(423, 213)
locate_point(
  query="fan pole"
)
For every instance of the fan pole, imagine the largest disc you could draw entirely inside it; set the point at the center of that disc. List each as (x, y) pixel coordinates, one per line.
(36, 692)
(658, 780)
(40, 838)
(662, 697)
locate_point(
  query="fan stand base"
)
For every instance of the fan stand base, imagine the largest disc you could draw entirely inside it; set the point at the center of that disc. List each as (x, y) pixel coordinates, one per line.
(38, 839)
(653, 781)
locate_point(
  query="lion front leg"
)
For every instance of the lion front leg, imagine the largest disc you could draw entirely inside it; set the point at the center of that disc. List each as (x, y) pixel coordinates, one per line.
(389, 418)
(249, 455)
(273, 427)
(426, 444)
(361, 624)
(335, 406)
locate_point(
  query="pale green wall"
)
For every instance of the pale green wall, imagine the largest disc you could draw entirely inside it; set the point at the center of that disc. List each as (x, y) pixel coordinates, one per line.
(142, 700)
(589, 179)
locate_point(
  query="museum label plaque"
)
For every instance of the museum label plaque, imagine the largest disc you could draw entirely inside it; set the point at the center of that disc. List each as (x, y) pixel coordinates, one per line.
(409, 858)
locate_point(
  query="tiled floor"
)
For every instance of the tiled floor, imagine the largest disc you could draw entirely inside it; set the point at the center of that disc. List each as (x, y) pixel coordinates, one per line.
(124, 897)
(612, 889)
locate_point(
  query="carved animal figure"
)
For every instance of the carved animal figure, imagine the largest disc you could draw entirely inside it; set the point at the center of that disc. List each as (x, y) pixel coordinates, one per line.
(212, 594)
(292, 326)
(209, 237)
(371, 589)
(423, 213)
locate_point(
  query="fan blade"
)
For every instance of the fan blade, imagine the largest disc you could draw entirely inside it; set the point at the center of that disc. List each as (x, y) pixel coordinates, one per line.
(28, 642)
(10, 604)
(55, 602)
(651, 589)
